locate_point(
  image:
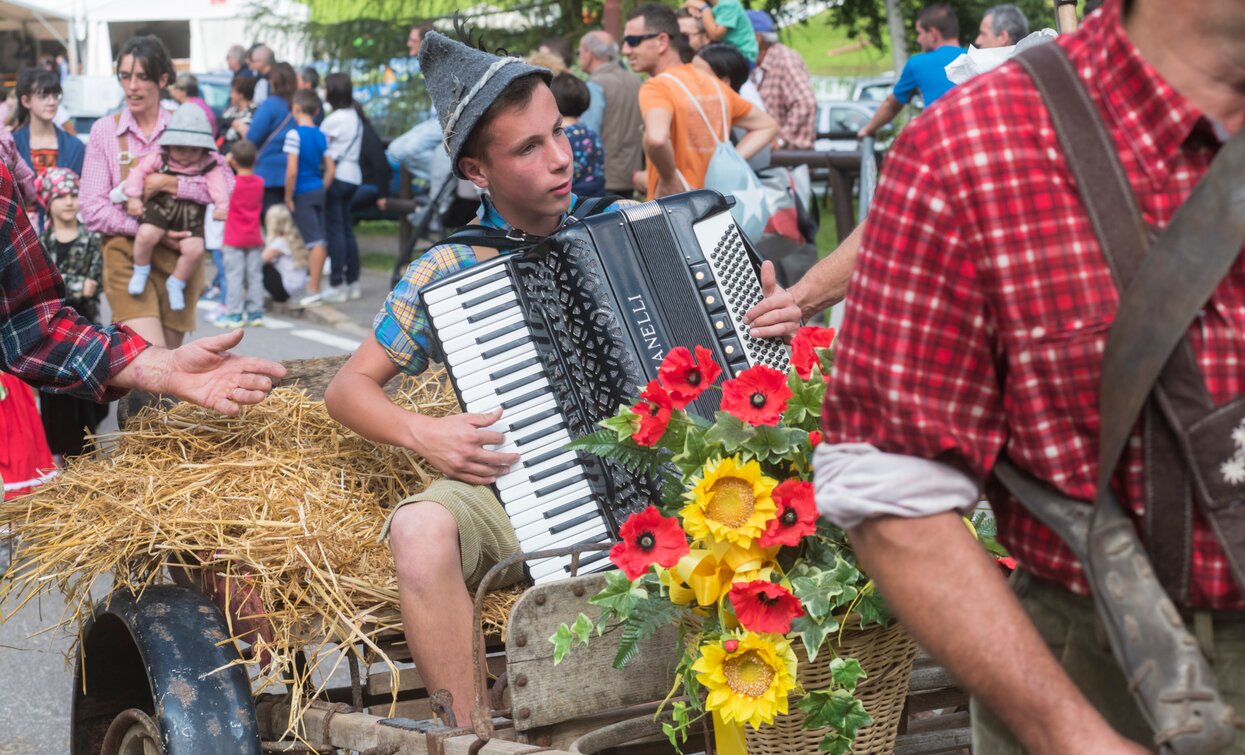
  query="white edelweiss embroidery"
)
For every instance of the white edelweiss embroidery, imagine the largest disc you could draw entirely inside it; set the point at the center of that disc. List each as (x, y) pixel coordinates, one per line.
(1233, 470)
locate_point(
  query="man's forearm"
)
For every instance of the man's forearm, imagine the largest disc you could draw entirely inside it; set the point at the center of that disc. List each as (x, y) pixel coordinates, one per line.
(825, 284)
(356, 401)
(886, 113)
(943, 587)
(662, 158)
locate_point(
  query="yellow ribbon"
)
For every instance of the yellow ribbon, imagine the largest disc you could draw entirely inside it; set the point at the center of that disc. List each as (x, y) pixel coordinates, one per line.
(728, 738)
(705, 575)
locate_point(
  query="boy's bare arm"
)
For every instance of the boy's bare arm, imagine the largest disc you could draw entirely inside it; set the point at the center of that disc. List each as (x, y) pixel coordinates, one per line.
(330, 170)
(291, 178)
(454, 444)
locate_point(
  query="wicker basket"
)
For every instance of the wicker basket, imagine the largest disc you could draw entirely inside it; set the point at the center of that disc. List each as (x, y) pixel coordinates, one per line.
(886, 655)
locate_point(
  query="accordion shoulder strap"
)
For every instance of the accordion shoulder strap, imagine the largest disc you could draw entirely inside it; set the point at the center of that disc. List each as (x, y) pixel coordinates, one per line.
(489, 242)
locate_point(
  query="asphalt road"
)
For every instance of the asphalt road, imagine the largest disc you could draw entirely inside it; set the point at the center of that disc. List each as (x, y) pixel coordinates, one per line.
(35, 678)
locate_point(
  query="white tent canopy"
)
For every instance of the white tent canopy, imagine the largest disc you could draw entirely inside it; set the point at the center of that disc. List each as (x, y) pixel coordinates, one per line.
(197, 32)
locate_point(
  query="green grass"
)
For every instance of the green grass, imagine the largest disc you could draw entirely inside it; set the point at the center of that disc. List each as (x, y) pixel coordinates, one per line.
(815, 37)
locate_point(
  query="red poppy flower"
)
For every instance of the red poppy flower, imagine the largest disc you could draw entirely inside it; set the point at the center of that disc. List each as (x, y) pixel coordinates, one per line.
(814, 438)
(686, 378)
(653, 410)
(763, 606)
(758, 395)
(804, 348)
(796, 514)
(648, 538)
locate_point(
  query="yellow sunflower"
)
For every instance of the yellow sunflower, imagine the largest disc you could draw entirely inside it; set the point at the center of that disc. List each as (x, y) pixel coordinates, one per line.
(748, 683)
(729, 503)
(706, 574)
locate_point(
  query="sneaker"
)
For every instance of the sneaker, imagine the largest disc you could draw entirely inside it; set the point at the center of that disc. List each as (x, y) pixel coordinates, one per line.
(255, 319)
(335, 295)
(310, 300)
(353, 291)
(212, 294)
(232, 322)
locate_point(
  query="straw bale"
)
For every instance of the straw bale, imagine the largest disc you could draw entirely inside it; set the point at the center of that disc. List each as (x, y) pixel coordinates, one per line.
(283, 501)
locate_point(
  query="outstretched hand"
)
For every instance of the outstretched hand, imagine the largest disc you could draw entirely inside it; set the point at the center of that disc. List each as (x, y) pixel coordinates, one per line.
(777, 315)
(203, 372)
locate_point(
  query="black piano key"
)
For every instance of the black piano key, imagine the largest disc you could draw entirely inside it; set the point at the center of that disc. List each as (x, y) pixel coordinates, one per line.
(512, 327)
(473, 285)
(537, 436)
(484, 298)
(569, 506)
(559, 485)
(528, 421)
(514, 368)
(552, 453)
(521, 400)
(589, 558)
(477, 317)
(568, 524)
(571, 464)
(497, 350)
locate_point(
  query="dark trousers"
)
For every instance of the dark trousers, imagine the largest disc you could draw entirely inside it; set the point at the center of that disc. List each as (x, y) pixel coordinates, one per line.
(272, 195)
(273, 284)
(339, 232)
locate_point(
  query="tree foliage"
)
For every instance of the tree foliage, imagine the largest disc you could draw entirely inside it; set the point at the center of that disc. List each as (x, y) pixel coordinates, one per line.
(868, 17)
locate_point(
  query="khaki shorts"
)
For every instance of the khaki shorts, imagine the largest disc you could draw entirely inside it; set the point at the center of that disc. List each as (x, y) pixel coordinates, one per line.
(118, 254)
(1071, 628)
(485, 535)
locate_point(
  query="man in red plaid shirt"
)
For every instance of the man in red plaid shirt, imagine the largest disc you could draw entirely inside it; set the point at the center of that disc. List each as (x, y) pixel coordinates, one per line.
(975, 326)
(54, 348)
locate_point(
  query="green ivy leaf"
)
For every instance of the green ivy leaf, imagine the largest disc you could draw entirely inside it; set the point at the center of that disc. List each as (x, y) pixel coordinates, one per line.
(619, 596)
(697, 450)
(872, 609)
(804, 406)
(561, 640)
(624, 423)
(847, 672)
(836, 709)
(581, 630)
(729, 431)
(823, 590)
(813, 633)
(772, 443)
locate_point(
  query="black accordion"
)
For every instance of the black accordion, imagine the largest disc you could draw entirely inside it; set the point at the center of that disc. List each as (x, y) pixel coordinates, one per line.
(560, 335)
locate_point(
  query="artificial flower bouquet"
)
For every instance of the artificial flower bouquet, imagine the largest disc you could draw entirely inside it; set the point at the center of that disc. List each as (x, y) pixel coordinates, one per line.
(735, 553)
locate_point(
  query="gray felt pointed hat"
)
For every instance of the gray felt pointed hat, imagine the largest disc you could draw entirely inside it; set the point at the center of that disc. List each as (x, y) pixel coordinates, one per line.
(463, 82)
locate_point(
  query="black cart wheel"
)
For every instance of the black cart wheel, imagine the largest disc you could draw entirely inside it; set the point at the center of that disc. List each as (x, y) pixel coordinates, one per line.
(132, 732)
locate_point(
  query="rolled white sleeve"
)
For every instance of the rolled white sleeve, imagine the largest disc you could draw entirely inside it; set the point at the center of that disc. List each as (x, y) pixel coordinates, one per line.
(856, 481)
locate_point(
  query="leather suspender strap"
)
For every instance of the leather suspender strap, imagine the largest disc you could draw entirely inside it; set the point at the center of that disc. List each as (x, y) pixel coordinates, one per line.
(488, 242)
(124, 158)
(1174, 686)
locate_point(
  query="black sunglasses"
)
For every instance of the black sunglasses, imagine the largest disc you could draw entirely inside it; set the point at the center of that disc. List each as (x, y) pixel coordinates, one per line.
(634, 40)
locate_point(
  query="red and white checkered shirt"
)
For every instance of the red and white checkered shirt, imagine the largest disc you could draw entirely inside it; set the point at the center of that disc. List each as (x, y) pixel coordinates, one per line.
(980, 305)
(782, 79)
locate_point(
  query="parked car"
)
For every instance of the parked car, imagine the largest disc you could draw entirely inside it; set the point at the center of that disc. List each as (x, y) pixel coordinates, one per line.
(835, 119)
(874, 88)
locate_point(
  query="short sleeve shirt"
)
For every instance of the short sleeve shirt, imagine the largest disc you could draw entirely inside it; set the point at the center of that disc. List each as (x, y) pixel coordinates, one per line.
(730, 14)
(925, 72)
(310, 145)
(402, 326)
(693, 142)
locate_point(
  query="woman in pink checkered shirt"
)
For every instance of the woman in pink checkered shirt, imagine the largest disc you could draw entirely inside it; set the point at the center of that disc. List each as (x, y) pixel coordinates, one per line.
(117, 143)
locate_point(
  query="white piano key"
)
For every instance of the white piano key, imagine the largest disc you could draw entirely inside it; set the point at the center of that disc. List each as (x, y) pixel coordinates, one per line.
(472, 359)
(492, 373)
(537, 391)
(554, 485)
(509, 419)
(464, 335)
(516, 381)
(542, 471)
(524, 510)
(506, 301)
(533, 435)
(445, 299)
(585, 522)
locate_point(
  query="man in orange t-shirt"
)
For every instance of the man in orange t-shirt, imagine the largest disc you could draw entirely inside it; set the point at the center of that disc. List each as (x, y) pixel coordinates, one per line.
(678, 142)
